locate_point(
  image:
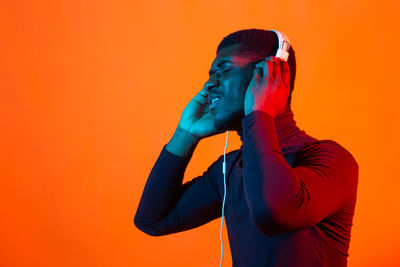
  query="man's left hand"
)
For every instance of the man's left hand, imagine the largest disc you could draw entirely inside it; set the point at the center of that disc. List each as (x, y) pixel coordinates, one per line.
(269, 92)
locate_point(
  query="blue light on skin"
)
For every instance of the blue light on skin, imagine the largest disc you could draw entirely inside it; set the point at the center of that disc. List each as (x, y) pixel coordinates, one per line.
(230, 75)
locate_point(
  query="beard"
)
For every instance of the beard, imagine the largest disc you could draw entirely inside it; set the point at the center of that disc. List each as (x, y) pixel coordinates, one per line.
(229, 120)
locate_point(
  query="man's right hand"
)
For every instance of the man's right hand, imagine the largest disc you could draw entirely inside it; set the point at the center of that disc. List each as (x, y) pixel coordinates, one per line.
(196, 118)
(196, 123)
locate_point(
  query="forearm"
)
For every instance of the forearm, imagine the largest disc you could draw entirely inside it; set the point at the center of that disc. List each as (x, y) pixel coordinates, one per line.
(270, 182)
(165, 199)
(161, 192)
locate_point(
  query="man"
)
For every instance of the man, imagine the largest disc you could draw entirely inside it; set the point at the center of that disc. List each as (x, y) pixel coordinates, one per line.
(290, 198)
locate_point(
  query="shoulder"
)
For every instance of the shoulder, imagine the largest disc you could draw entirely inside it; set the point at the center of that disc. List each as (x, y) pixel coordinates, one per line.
(326, 146)
(327, 153)
(331, 162)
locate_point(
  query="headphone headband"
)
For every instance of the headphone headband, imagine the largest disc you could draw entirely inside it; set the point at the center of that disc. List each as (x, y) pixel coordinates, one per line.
(284, 45)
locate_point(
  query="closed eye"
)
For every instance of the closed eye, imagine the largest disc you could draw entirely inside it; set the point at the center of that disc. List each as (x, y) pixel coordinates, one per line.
(225, 70)
(219, 71)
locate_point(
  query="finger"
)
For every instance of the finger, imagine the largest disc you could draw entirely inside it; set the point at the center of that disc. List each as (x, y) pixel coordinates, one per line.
(269, 68)
(286, 72)
(203, 92)
(276, 67)
(201, 102)
(282, 68)
(201, 97)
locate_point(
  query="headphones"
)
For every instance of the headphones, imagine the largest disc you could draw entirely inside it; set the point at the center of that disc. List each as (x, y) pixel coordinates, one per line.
(282, 53)
(284, 45)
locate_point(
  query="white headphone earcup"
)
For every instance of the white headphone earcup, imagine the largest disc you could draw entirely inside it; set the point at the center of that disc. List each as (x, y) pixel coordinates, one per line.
(283, 45)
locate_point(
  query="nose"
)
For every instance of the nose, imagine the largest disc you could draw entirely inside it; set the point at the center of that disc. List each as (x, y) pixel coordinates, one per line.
(211, 84)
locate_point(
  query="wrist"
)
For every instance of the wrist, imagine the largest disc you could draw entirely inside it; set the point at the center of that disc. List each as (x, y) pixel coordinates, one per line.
(186, 135)
(182, 143)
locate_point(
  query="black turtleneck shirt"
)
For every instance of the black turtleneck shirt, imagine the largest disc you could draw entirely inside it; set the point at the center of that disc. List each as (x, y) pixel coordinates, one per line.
(290, 198)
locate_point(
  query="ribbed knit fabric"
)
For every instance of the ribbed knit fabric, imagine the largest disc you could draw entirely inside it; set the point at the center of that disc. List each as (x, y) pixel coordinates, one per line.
(290, 197)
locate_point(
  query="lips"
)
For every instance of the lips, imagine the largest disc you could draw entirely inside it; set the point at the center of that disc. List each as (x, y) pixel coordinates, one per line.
(214, 102)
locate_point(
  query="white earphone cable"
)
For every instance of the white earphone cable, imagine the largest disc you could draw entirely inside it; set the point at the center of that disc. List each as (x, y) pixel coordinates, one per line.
(223, 202)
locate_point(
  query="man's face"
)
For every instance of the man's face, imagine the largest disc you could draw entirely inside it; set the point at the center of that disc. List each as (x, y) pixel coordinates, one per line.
(230, 75)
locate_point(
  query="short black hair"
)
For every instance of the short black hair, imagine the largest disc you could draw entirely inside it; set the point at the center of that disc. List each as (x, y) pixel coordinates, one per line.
(262, 43)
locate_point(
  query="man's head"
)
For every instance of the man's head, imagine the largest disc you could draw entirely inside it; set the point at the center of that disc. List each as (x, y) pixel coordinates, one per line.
(232, 71)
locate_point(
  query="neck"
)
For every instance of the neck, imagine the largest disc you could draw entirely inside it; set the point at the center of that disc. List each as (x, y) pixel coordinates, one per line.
(285, 126)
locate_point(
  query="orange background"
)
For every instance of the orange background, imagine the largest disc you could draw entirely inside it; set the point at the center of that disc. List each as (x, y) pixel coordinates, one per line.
(90, 91)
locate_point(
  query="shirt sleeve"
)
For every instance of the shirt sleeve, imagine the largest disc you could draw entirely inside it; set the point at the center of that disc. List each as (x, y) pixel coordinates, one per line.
(282, 198)
(167, 206)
